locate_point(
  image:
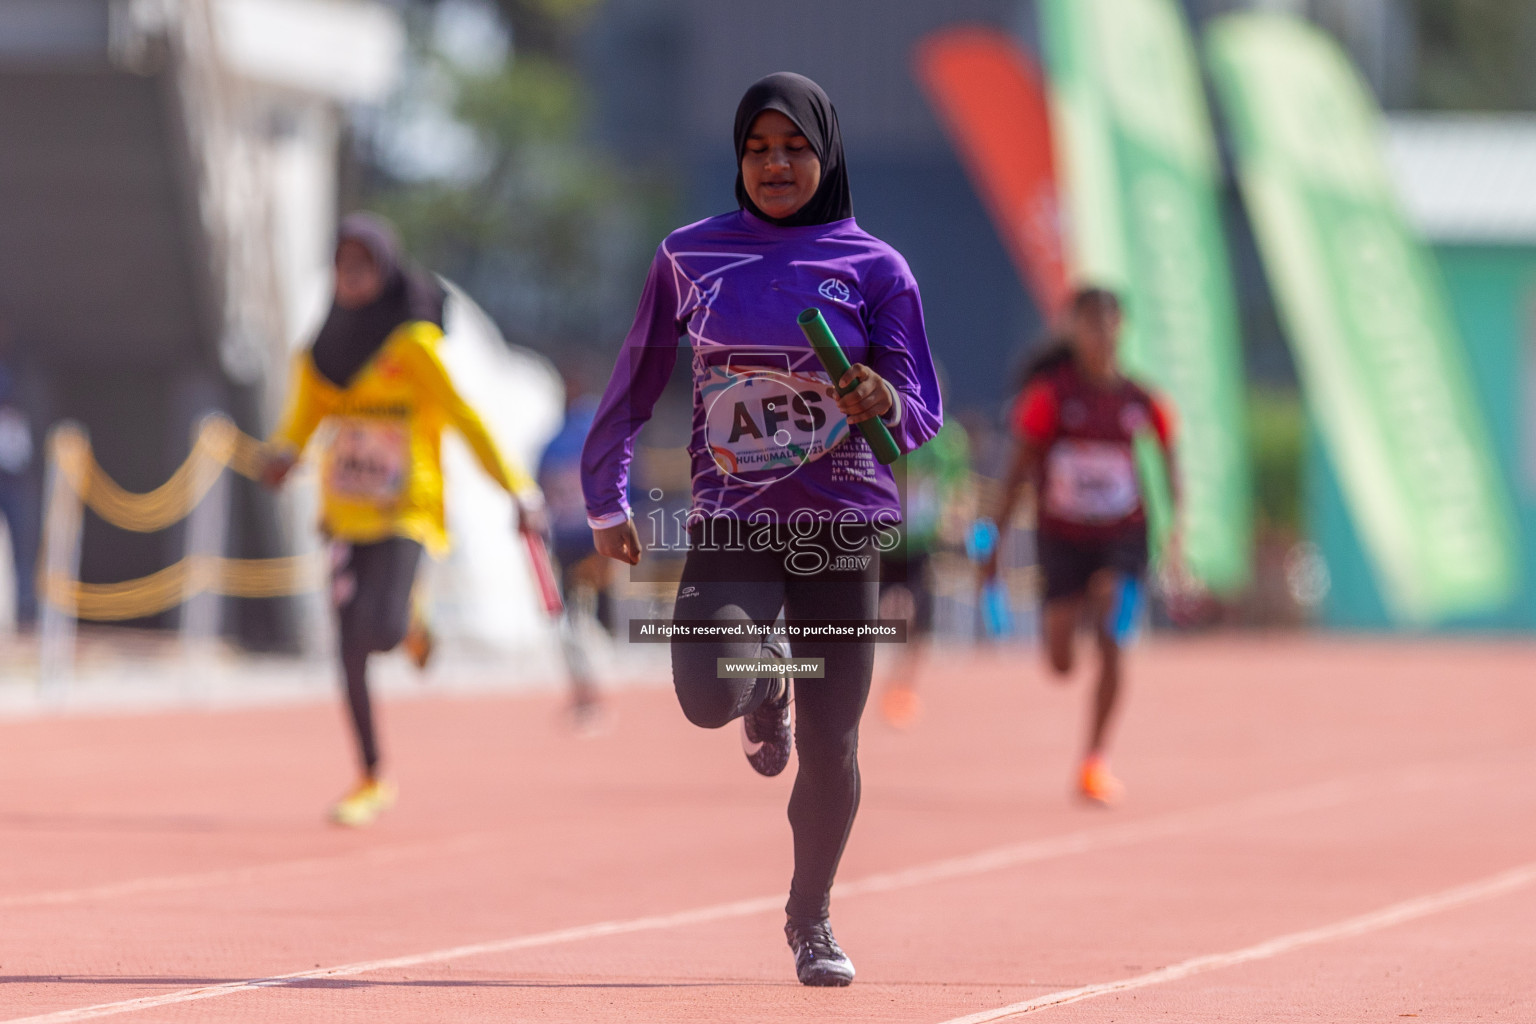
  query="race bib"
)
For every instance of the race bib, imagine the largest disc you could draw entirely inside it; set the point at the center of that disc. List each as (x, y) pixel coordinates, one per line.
(368, 460)
(1091, 482)
(764, 424)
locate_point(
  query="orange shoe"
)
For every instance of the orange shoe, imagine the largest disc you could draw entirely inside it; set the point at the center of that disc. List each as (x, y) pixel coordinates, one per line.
(901, 707)
(1096, 783)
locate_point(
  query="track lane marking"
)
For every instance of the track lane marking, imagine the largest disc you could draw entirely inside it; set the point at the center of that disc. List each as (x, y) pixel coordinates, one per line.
(1416, 776)
(1068, 843)
(1293, 801)
(235, 876)
(249, 873)
(1364, 924)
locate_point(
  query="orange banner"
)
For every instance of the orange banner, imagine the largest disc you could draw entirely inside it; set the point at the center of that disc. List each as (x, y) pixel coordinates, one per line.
(990, 98)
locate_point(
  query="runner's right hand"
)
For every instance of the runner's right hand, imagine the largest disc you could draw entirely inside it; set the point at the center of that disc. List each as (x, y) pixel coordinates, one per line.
(986, 569)
(621, 542)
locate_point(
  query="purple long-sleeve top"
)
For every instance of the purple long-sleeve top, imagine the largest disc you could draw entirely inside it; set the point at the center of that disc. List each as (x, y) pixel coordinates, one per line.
(765, 434)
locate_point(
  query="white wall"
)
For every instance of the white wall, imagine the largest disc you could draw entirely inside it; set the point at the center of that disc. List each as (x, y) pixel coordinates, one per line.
(484, 591)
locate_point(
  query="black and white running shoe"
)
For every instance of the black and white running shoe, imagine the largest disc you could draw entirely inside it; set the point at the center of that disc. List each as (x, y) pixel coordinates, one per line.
(818, 958)
(766, 737)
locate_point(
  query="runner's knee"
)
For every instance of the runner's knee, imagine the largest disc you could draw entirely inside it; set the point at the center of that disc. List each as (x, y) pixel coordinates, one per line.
(707, 706)
(1059, 629)
(389, 634)
(827, 755)
(375, 635)
(1059, 658)
(708, 701)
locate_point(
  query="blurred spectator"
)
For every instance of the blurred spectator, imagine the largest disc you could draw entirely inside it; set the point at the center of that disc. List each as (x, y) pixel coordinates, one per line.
(936, 475)
(585, 579)
(20, 500)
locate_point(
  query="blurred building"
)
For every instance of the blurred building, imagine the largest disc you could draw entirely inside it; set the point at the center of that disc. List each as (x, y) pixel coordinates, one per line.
(170, 172)
(668, 74)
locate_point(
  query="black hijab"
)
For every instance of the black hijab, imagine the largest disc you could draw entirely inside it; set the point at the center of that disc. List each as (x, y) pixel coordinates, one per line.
(350, 337)
(802, 101)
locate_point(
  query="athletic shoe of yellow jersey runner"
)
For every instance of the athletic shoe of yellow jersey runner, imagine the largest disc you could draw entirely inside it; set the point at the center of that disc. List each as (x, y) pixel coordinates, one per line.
(1096, 783)
(366, 802)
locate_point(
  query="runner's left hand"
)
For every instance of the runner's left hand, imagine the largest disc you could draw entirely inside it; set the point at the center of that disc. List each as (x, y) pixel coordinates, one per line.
(870, 399)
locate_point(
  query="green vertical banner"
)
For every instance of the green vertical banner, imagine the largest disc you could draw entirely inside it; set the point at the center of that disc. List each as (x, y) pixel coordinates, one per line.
(1382, 367)
(1138, 164)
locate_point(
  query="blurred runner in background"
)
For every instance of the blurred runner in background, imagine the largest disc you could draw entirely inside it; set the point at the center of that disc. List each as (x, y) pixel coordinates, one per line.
(374, 378)
(936, 476)
(585, 576)
(1075, 422)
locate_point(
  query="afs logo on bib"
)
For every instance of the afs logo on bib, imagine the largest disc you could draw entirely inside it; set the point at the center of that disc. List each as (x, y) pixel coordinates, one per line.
(835, 290)
(768, 423)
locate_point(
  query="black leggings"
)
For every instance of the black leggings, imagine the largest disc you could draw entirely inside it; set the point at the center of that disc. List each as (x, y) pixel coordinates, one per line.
(746, 585)
(372, 590)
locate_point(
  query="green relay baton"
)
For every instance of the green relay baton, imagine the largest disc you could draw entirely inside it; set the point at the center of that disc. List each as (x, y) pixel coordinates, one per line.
(836, 364)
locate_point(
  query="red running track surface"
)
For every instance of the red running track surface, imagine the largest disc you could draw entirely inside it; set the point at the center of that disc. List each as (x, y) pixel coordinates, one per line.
(1318, 830)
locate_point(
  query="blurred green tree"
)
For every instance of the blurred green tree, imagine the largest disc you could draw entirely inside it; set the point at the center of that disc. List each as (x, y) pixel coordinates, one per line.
(1277, 428)
(535, 221)
(549, 27)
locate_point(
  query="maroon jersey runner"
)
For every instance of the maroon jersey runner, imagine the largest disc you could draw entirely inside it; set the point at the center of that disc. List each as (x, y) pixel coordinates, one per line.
(1088, 486)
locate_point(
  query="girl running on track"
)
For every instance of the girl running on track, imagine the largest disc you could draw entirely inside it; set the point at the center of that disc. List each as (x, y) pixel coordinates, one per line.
(373, 375)
(1075, 421)
(787, 500)
(936, 475)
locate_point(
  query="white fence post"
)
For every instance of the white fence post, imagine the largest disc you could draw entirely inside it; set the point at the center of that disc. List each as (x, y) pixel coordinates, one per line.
(202, 604)
(300, 503)
(61, 570)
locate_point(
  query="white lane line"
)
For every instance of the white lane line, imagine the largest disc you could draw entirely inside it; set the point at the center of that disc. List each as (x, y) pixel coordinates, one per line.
(235, 876)
(1055, 846)
(1386, 917)
(1377, 782)
(1330, 794)
(1254, 808)
(741, 908)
